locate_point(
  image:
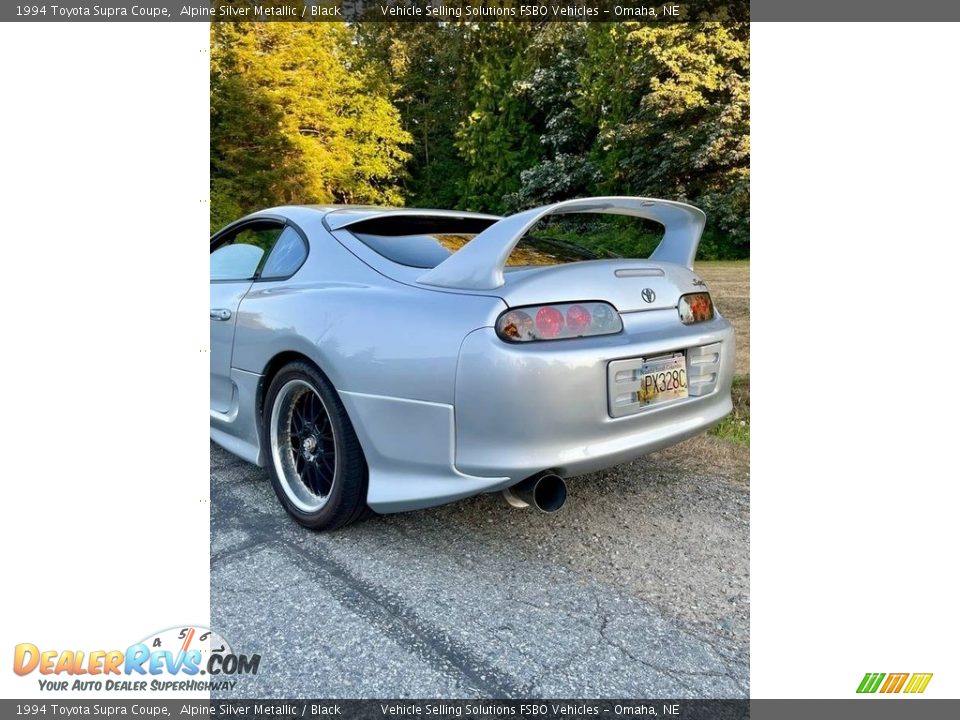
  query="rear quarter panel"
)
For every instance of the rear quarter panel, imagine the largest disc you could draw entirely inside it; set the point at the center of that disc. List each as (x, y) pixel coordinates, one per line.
(367, 333)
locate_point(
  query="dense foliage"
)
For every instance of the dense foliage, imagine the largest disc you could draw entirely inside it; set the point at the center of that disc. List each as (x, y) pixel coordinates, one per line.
(490, 117)
(293, 120)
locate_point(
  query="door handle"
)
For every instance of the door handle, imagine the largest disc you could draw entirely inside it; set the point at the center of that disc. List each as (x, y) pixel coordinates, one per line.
(220, 314)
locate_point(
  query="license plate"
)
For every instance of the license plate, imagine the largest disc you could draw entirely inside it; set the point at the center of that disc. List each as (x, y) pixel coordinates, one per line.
(662, 379)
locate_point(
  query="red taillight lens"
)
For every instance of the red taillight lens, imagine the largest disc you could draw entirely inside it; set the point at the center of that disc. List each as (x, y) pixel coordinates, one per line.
(558, 322)
(549, 322)
(578, 318)
(694, 308)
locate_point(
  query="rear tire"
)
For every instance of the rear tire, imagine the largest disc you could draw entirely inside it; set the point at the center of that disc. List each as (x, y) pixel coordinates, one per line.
(315, 461)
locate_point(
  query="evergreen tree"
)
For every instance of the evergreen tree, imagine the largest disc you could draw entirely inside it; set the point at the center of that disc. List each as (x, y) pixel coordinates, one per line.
(500, 137)
(484, 116)
(671, 104)
(296, 119)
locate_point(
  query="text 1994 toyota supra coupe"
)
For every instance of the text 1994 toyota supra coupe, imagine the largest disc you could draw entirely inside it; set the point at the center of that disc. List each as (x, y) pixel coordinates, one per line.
(393, 359)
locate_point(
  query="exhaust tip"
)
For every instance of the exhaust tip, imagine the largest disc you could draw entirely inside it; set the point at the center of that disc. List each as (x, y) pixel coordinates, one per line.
(550, 493)
(546, 492)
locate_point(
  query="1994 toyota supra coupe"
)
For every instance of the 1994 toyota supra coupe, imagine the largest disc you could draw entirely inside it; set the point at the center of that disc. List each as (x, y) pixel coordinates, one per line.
(392, 359)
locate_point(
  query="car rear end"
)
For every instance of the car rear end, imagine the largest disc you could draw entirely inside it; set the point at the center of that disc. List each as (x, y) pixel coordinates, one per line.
(592, 362)
(578, 404)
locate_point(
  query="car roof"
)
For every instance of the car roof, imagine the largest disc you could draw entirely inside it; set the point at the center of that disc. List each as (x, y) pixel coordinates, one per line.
(340, 216)
(343, 216)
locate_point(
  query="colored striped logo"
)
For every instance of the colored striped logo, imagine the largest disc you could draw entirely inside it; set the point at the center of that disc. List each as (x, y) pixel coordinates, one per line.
(894, 682)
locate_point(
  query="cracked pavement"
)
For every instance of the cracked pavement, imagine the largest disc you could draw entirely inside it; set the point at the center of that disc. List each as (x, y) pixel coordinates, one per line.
(638, 587)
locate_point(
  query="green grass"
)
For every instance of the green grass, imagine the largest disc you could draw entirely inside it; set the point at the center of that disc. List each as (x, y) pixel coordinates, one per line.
(736, 426)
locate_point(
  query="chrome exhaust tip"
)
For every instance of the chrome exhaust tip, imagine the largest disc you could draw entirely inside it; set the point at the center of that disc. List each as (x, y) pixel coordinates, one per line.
(546, 492)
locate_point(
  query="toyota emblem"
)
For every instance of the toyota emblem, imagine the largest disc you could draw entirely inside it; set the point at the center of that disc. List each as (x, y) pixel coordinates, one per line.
(648, 295)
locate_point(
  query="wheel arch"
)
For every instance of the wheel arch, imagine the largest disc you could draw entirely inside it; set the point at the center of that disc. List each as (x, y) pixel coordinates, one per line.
(274, 366)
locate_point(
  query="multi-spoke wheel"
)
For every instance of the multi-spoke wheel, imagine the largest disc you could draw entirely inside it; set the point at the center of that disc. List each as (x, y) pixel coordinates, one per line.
(303, 444)
(316, 463)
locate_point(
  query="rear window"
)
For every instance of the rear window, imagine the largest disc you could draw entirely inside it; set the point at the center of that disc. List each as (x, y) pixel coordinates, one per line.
(419, 251)
(424, 242)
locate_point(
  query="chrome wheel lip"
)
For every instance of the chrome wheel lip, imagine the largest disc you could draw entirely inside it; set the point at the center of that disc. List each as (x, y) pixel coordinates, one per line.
(281, 449)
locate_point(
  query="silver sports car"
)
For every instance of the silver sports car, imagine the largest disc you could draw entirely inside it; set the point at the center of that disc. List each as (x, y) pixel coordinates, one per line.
(390, 359)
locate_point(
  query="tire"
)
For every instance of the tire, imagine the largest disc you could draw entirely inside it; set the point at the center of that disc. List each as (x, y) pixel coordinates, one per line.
(315, 461)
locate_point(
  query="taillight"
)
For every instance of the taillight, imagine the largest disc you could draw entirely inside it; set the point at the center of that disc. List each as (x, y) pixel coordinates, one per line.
(557, 322)
(695, 308)
(549, 322)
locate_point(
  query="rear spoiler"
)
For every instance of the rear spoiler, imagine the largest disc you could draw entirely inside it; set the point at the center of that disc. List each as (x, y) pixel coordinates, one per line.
(479, 264)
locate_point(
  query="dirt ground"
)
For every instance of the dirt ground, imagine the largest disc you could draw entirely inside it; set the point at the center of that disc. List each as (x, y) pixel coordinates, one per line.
(729, 284)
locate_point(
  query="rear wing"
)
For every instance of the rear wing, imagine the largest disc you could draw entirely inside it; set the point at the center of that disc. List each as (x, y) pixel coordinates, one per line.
(479, 264)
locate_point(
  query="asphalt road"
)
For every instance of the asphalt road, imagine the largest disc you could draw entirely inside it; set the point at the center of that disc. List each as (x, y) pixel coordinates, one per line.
(638, 587)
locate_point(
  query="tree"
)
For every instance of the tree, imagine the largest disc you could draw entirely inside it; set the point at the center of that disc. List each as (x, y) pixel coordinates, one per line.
(485, 116)
(426, 71)
(296, 119)
(671, 103)
(500, 136)
(553, 86)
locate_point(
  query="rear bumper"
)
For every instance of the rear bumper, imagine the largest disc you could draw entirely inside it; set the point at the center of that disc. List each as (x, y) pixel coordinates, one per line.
(521, 409)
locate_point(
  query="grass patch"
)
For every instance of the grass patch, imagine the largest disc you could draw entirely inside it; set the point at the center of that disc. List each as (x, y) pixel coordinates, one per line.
(736, 426)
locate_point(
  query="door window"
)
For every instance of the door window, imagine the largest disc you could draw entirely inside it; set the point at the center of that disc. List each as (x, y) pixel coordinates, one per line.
(263, 249)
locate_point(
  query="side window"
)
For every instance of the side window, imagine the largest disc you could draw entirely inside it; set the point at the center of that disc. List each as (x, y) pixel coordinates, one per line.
(238, 256)
(235, 262)
(286, 257)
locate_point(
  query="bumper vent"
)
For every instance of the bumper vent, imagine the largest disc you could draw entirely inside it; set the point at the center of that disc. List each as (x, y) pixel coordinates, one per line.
(703, 369)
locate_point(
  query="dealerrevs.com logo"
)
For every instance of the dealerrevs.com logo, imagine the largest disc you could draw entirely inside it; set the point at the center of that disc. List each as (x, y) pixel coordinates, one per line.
(182, 659)
(894, 683)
